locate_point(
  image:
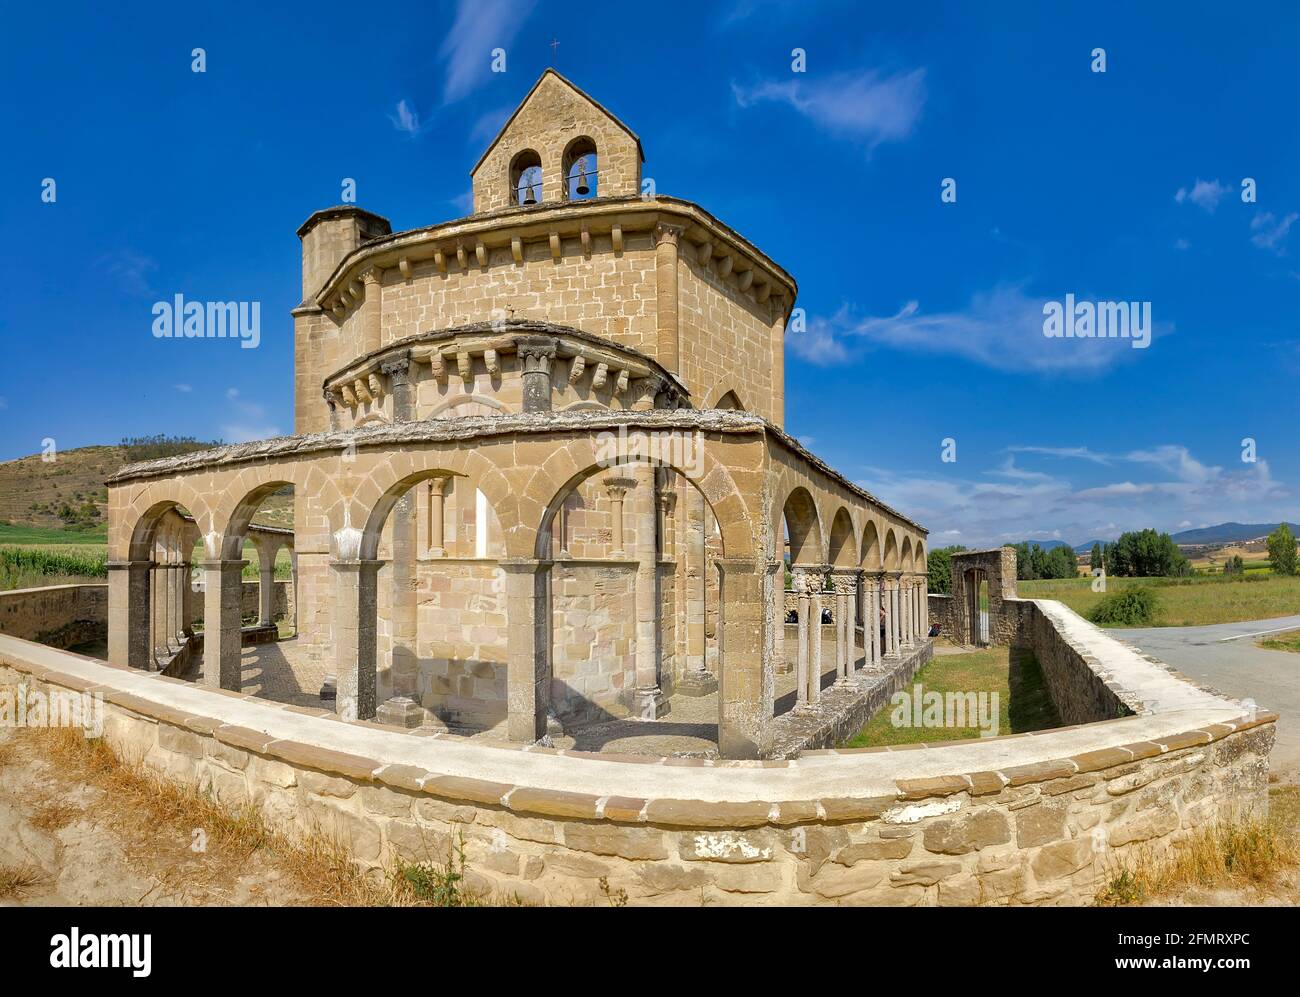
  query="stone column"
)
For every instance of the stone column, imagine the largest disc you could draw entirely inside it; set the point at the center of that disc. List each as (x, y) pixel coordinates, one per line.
(266, 552)
(904, 612)
(697, 680)
(223, 587)
(528, 648)
(355, 625)
(924, 590)
(667, 350)
(649, 700)
(778, 620)
(371, 308)
(818, 583)
(437, 526)
(179, 584)
(802, 587)
(128, 613)
(293, 571)
(845, 583)
(873, 617)
(745, 682)
(778, 369)
(617, 488)
(536, 355)
(398, 371)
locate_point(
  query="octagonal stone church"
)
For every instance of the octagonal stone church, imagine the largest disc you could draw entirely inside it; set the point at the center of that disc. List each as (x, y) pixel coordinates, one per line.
(539, 474)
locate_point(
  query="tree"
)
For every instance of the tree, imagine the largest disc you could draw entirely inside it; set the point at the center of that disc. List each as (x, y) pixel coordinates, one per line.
(1234, 566)
(1096, 556)
(1146, 554)
(938, 565)
(1281, 551)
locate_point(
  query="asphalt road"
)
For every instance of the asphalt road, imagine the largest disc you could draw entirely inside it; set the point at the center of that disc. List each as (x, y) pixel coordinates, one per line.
(1226, 657)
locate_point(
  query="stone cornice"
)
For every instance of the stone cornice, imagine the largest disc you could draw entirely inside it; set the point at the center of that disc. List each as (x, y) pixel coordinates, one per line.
(479, 426)
(479, 338)
(511, 227)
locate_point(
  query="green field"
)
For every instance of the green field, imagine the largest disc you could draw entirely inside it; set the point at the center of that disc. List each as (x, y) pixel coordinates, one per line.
(1185, 602)
(1023, 702)
(33, 557)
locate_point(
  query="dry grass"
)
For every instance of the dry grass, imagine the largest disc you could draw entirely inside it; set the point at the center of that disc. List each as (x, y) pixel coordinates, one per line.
(1287, 641)
(151, 810)
(1242, 854)
(51, 816)
(16, 881)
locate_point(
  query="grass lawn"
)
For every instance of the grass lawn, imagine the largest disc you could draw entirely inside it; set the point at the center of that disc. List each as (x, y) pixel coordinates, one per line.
(1023, 703)
(26, 536)
(1184, 602)
(1288, 640)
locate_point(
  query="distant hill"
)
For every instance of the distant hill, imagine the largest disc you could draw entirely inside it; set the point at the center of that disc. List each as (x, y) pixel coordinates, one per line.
(68, 492)
(1044, 544)
(1225, 533)
(1086, 546)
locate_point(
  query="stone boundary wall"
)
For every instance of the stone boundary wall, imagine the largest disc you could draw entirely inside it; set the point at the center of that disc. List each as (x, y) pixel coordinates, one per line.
(1026, 819)
(1078, 683)
(57, 615)
(65, 615)
(943, 611)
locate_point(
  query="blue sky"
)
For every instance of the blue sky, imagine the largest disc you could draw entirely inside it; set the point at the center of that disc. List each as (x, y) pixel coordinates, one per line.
(923, 318)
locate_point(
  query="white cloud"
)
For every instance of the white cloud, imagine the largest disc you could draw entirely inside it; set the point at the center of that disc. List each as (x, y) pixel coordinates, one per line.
(184, 389)
(1001, 328)
(486, 127)
(1182, 245)
(1270, 233)
(1008, 503)
(132, 271)
(1205, 194)
(480, 26)
(865, 106)
(1080, 453)
(406, 119)
(249, 423)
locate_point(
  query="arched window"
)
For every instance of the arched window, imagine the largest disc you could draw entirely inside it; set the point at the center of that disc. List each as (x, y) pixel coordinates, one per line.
(730, 401)
(526, 178)
(581, 172)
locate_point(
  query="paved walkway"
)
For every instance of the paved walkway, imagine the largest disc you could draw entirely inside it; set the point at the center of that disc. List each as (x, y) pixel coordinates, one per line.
(1226, 657)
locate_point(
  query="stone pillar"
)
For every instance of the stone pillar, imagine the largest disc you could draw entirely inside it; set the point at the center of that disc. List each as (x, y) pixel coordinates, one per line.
(845, 583)
(778, 369)
(924, 590)
(266, 583)
(873, 619)
(404, 594)
(667, 350)
(398, 372)
(818, 583)
(801, 584)
(223, 587)
(128, 613)
(179, 584)
(745, 681)
(371, 308)
(293, 571)
(528, 648)
(696, 678)
(536, 355)
(778, 620)
(355, 625)
(617, 488)
(649, 701)
(904, 612)
(437, 524)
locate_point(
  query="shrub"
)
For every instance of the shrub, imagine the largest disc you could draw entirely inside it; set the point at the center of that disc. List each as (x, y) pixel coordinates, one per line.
(1131, 607)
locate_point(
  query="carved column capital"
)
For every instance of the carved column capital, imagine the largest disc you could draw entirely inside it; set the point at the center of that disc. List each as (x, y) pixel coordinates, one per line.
(397, 369)
(668, 234)
(536, 353)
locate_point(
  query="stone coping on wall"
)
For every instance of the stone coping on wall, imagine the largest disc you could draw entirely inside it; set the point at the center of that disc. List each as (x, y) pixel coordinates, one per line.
(483, 426)
(531, 779)
(1142, 683)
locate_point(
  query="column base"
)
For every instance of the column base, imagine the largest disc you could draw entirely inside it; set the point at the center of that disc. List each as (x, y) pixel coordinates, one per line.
(697, 683)
(400, 711)
(650, 704)
(329, 689)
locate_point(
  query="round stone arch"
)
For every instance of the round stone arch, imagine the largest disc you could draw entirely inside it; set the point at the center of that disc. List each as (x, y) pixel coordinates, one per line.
(842, 552)
(240, 503)
(921, 564)
(139, 523)
(890, 555)
(575, 459)
(450, 406)
(356, 524)
(871, 558)
(802, 519)
(905, 555)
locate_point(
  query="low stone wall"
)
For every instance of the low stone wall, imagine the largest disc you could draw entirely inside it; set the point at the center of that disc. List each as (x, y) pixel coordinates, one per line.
(1026, 819)
(943, 611)
(1080, 685)
(58, 615)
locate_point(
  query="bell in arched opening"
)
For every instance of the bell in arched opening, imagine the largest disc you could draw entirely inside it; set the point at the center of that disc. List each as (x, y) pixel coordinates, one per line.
(583, 188)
